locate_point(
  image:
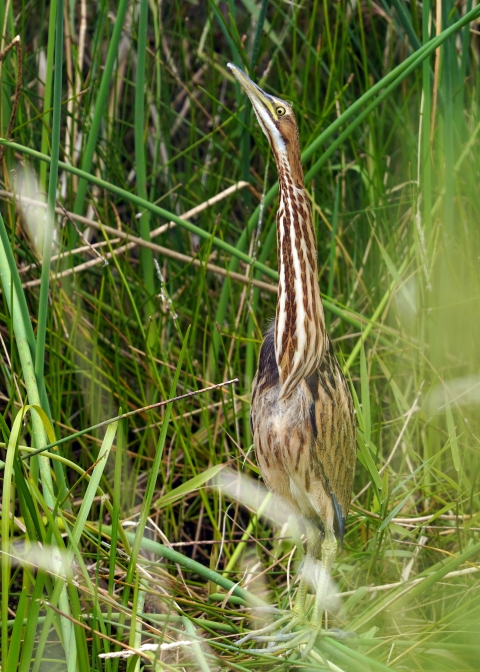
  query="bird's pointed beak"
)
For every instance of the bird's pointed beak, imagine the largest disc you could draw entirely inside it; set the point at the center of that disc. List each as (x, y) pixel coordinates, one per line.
(259, 98)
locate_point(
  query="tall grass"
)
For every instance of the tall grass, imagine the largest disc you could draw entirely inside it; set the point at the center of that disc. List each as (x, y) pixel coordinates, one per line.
(149, 535)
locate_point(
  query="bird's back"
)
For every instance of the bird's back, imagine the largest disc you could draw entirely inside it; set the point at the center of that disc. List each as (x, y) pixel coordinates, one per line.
(306, 443)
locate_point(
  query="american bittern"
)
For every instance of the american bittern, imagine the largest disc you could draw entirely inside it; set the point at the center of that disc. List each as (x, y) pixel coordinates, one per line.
(302, 414)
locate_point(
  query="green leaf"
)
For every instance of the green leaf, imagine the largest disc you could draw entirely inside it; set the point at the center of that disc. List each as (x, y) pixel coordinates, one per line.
(6, 508)
(196, 648)
(46, 422)
(15, 641)
(394, 512)
(190, 486)
(358, 408)
(402, 404)
(367, 428)
(94, 481)
(452, 435)
(366, 459)
(395, 274)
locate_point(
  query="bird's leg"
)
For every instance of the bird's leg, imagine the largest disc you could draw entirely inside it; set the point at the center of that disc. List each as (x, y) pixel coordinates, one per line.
(329, 551)
(301, 596)
(298, 614)
(281, 629)
(308, 568)
(280, 634)
(307, 637)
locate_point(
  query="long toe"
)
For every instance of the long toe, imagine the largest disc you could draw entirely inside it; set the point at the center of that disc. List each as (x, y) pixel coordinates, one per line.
(339, 634)
(282, 646)
(288, 633)
(254, 634)
(277, 637)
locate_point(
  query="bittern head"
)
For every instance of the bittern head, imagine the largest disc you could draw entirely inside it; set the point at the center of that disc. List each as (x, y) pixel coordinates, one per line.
(277, 121)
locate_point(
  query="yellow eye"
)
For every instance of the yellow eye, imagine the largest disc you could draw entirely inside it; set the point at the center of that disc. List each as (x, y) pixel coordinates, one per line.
(281, 111)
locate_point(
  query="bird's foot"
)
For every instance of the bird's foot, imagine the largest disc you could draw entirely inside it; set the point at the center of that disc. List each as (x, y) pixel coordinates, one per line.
(289, 641)
(281, 627)
(291, 632)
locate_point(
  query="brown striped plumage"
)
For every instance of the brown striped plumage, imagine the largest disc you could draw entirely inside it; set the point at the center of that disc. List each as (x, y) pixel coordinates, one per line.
(305, 443)
(302, 414)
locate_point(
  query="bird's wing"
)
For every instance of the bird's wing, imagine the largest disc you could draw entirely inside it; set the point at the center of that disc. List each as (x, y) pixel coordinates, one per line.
(333, 447)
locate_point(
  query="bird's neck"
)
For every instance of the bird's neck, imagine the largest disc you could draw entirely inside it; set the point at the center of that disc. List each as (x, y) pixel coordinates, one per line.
(300, 333)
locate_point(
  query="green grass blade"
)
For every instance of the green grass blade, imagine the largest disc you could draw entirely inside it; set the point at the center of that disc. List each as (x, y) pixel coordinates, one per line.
(258, 33)
(197, 649)
(94, 482)
(7, 509)
(22, 343)
(16, 638)
(47, 97)
(188, 487)
(406, 21)
(146, 255)
(367, 424)
(425, 155)
(452, 435)
(52, 198)
(100, 102)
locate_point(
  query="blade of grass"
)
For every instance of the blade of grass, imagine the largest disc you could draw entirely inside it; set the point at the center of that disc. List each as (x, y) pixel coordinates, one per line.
(146, 255)
(47, 95)
(452, 435)
(376, 314)
(52, 197)
(333, 245)
(449, 66)
(22, 343)
(91, 491)
(117, 508)
(11, 269)
(188, 487)
(406, 22)
(16, 639)
(7, 509)
(258, 34)
(100, 106)
(425, 156)
(197, 650)
(367, 424)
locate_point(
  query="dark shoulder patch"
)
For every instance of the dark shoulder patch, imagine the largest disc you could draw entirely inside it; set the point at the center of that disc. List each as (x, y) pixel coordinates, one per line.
(267, 363)
(312, 384)
(313, 419)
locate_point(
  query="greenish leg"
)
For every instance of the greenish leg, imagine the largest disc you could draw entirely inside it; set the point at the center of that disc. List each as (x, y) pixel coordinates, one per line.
(329, 551)
(313, 536)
